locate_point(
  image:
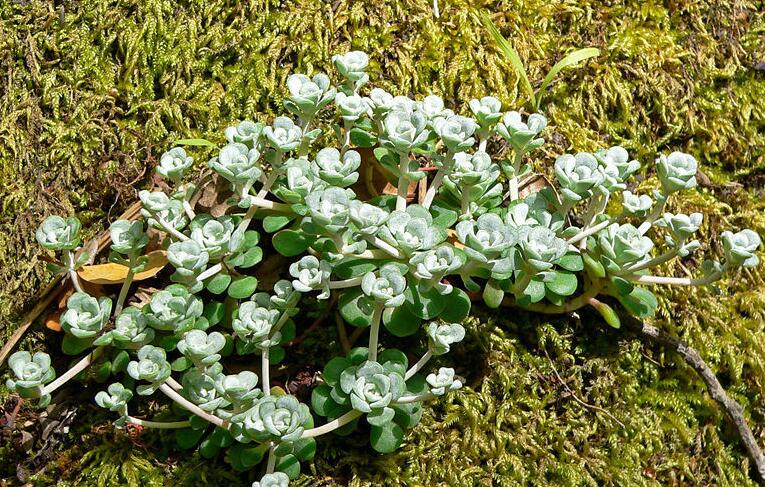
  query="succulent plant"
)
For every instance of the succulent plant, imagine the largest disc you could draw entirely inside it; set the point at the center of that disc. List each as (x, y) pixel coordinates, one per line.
(174, 164)
(152, 366)
(390, 265)
(441, 336)
(31, 373)
(56, 233)
(85, 316)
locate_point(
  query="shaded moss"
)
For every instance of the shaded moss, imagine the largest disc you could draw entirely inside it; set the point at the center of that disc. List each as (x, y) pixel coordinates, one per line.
(92, 93)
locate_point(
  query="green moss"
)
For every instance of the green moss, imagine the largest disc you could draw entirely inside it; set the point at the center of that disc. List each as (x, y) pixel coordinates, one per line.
(95, 92)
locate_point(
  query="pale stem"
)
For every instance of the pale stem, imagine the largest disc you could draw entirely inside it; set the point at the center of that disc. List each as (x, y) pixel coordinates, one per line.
(517, 160)
(438, 179)
(210, 272)
(403, 183)
(271, 460)
(420, 363)
(261, 202)
(158, 424)
(191, 407)
(261, 195)
(573, 305)
(173, 383)
(278, 326)
(414, 398)
(125, 287)
(465, 204)
(436, 12)
(332, 425)
(374, 332)
(169, 228)
(653, 262)
(592, 230)
(73, 273)
(187, 208)
(69, 374)
(347, 126)
(653, 216)
(482, 144)
(367, 254)
(382, 245)
(353, 282)
(676, 281)
(265, 366)
(304, 146)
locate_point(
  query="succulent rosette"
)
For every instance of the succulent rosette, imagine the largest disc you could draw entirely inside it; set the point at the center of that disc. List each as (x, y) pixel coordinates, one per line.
(336, 169)
(441, 336)
(432, 266)
(522, 135)
(275, 418)
(202, 348)
(352, 107)
(56, 233)
(486, 239)
(245, 132)
(740, 247)
(131, 331)
(85, 316)
(487, 110)
(200, 388)
(31, 373)
(189, 259)
(578, 175)
(308, 95)
(239, 389)
(541, 247)
(329, 209)
(174, 164)
(371, 387)
(411, 230)
(237, 163)
(387, 287)
(636, 205)
(676, 171)
(275, 479)
(254, 322)
(128, 237)
(115, 398)
(404, 130)
(456, 131)
(152, 366)
(368, 218)
(157, 205)
(311, 274)
(283, 135)
(623, 244)
(352, 66)
(174, 309)
(214, 235)
(442, 381)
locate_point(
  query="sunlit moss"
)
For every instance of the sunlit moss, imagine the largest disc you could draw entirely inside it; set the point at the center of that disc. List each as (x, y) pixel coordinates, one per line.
(93, 93)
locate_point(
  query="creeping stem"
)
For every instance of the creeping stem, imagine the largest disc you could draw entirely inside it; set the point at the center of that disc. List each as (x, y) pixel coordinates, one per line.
(653, 262)
(76, 369)
(438, 179)
(191, 407)
(332, 425)
(586, 232)
(403, 184)
(676, 281)
(210, 272)
(158, 424)
(661, 202)
(415, 398)
(420, 364)
(72, 273)
(517, 159)
(271, 460)
(374, 331)
(384, 246)
(353, 282)
(125, 286)
(265, 366)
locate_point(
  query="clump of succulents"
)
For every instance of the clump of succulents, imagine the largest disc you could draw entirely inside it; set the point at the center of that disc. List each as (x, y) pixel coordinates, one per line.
(396, 266)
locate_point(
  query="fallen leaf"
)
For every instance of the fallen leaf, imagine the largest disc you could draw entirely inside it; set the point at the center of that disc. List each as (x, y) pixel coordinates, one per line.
(53, 321)
(113, 273)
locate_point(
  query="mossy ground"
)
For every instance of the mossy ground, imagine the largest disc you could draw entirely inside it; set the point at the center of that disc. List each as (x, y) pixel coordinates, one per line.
(93, 91)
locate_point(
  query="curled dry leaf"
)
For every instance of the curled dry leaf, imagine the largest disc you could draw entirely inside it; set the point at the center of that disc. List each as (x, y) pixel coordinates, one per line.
(113, 273)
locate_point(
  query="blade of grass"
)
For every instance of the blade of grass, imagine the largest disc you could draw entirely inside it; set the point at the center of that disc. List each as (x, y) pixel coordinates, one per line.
(511, 54)
(571, 59)
(196, 142)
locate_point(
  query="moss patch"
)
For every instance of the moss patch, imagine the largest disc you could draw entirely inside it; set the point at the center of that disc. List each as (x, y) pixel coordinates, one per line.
(92, 93)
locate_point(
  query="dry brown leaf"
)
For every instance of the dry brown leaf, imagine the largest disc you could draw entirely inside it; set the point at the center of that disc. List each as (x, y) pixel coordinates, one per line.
(113, 273)
(53, 321)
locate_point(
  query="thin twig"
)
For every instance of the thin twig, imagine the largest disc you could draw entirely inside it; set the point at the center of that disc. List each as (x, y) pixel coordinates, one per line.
(576, 398)
(733, 409)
